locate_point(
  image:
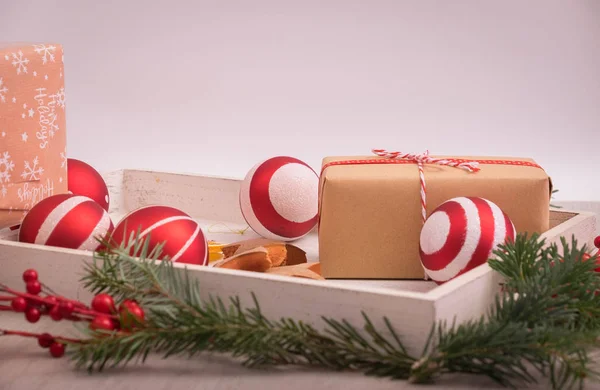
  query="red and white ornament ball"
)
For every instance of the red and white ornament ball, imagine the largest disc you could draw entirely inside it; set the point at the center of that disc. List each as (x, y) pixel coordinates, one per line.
(460, 235)
(83, 179)
(279, 198)
(183, 239)
(67, 221)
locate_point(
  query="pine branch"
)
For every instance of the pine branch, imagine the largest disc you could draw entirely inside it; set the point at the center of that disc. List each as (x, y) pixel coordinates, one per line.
(546, 319)
(531, 264)
(507, 345)
(517, 262)
(179, 322)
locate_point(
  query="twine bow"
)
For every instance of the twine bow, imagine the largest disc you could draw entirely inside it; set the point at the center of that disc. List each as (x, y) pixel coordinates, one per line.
(424, 158)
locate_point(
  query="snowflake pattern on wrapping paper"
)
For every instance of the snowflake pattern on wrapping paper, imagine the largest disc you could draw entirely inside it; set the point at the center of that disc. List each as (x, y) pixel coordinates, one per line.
(47, 52)
(32, 172)
(3, 191)
(20, 62)
(3, 91)
(60, 98)
(6, 166)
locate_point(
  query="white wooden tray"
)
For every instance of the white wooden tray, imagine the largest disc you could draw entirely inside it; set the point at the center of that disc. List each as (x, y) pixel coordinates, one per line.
(412, 306)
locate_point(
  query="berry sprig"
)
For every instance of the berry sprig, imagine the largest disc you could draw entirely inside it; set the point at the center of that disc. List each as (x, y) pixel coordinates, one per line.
(55, 344)
(39, 301)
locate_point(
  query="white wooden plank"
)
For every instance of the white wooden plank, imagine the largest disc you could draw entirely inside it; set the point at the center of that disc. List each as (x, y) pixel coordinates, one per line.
(200, 196)
(114, 183)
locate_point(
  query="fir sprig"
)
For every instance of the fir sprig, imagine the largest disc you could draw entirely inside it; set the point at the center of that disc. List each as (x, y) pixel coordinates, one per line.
(545, 320)
(179, 322)
(510, 345)
(529, 266)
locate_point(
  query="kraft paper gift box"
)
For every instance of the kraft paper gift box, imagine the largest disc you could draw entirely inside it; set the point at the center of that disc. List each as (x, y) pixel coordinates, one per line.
(371, 218)
(33, 160)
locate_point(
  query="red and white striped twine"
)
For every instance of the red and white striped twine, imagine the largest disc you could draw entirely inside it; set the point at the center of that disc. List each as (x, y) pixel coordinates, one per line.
(424, 158)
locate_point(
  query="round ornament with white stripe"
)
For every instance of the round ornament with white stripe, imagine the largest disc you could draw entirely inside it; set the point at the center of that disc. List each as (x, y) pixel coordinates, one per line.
(279, 198)
(67, 221)
(461, 234)
(84, 180)
(182, 238)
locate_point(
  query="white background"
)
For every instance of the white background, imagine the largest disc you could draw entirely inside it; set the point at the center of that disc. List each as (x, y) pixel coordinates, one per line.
(212, 87)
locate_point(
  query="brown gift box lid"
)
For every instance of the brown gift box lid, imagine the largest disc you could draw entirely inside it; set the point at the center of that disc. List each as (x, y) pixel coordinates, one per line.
(370, 213)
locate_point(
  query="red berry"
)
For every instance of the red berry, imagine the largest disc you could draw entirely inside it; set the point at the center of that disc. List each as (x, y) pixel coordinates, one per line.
(130, 313)
(19, 304)
(34, 287)
(51, 301)
(103, 303)
(33, 314)
(45, 340)
(102, 323)
(597, 242)
(66, 308)
(55, 313)
(57, 350)
(30, 275)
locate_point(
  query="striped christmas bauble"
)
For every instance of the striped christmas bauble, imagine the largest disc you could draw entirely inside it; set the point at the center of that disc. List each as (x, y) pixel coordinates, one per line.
(279, 198)
(84, 180)
(460, 235)
(182, 238)
(67, 221)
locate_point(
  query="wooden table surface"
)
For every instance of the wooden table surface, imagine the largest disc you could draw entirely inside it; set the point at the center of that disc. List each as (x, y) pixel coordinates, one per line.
(26, 366)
